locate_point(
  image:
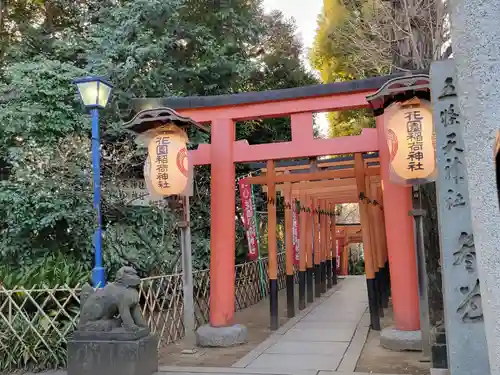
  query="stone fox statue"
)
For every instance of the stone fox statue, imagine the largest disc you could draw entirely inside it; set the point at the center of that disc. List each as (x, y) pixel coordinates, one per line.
(114, 306)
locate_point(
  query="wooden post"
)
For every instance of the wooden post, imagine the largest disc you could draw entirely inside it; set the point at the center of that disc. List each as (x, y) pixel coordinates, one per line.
(317, 255)
(329, 247)
(385, 258)
(333, 259)
(303, 251)
(373, 236)
(272, 244)
(382, 224)
(345, 255)
(290, 308)
(375, 244)
(324, 243)
(378, 221)
(338, 237)
(310, 266)
(365, 227)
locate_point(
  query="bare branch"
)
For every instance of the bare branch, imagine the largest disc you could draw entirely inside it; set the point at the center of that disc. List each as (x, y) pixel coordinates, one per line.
(382, 36)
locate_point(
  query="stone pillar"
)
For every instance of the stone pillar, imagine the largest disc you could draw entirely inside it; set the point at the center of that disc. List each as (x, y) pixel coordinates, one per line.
(221, 331)
(405, 335)
(461, 284)
(476, 46)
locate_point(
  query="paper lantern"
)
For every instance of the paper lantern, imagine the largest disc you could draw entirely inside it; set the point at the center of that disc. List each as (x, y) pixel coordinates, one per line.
(168, 157)
(410, 137)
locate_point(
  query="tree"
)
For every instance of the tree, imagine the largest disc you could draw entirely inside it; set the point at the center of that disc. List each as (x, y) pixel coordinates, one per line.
(365, 38)
(358, 39)
(147, 48)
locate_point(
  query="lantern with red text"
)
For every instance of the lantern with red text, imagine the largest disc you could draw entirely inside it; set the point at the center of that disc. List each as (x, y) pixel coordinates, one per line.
(409, 131)
(168, 160)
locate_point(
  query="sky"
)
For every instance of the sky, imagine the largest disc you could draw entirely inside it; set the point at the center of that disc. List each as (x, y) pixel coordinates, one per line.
(305, 14)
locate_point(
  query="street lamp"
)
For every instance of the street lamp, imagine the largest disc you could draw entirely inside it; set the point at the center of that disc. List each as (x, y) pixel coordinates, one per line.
(95, 92)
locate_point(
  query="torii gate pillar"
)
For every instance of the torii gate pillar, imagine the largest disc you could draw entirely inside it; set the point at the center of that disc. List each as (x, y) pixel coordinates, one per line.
(220, 331)
(400, 243)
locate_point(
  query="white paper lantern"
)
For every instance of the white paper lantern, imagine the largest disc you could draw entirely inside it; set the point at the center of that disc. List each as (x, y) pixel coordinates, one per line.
(410, 136)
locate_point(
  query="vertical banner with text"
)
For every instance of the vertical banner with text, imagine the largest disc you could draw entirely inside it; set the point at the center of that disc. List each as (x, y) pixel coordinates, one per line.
(295, 234)
(249, 219)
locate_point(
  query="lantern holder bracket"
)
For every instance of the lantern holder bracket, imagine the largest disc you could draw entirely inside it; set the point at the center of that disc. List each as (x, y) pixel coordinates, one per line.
(149, 119)
(397, 89)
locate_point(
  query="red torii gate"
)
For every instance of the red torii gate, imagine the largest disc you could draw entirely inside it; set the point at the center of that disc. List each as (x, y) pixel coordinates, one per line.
(221, 112)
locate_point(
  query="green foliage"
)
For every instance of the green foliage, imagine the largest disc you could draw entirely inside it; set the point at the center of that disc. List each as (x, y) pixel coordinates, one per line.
(351, 41)
(19, 354)
(349, 122)
(50, 271)
(147, 48)
(356, 266)
(44, 202)
(38, 102)
(36, 300)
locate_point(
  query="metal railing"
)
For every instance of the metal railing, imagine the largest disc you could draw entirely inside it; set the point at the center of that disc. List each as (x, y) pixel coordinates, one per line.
(35, 323)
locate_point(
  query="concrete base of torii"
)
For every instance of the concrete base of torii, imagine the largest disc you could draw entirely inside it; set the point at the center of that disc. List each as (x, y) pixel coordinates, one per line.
(397, 340)
(220, 337)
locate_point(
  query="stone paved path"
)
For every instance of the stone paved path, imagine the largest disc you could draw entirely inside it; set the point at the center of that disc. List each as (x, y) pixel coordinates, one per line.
(328, 336)
(325, 338)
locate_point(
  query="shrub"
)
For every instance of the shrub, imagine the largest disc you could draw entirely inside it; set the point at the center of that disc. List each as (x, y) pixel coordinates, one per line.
(38, 309)
(36, 346)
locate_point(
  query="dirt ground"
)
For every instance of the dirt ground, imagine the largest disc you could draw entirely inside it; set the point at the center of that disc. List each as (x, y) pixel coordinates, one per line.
(375, 359)
(255, 318)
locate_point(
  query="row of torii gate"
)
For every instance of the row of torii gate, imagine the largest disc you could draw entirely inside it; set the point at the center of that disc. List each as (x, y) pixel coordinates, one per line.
(387, 229)
(317, 201)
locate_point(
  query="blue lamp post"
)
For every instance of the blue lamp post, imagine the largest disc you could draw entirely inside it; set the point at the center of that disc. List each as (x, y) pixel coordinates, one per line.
(95, 92)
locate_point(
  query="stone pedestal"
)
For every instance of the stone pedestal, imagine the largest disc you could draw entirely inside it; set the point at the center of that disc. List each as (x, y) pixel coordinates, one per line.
(208, 336)
(101, 355)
